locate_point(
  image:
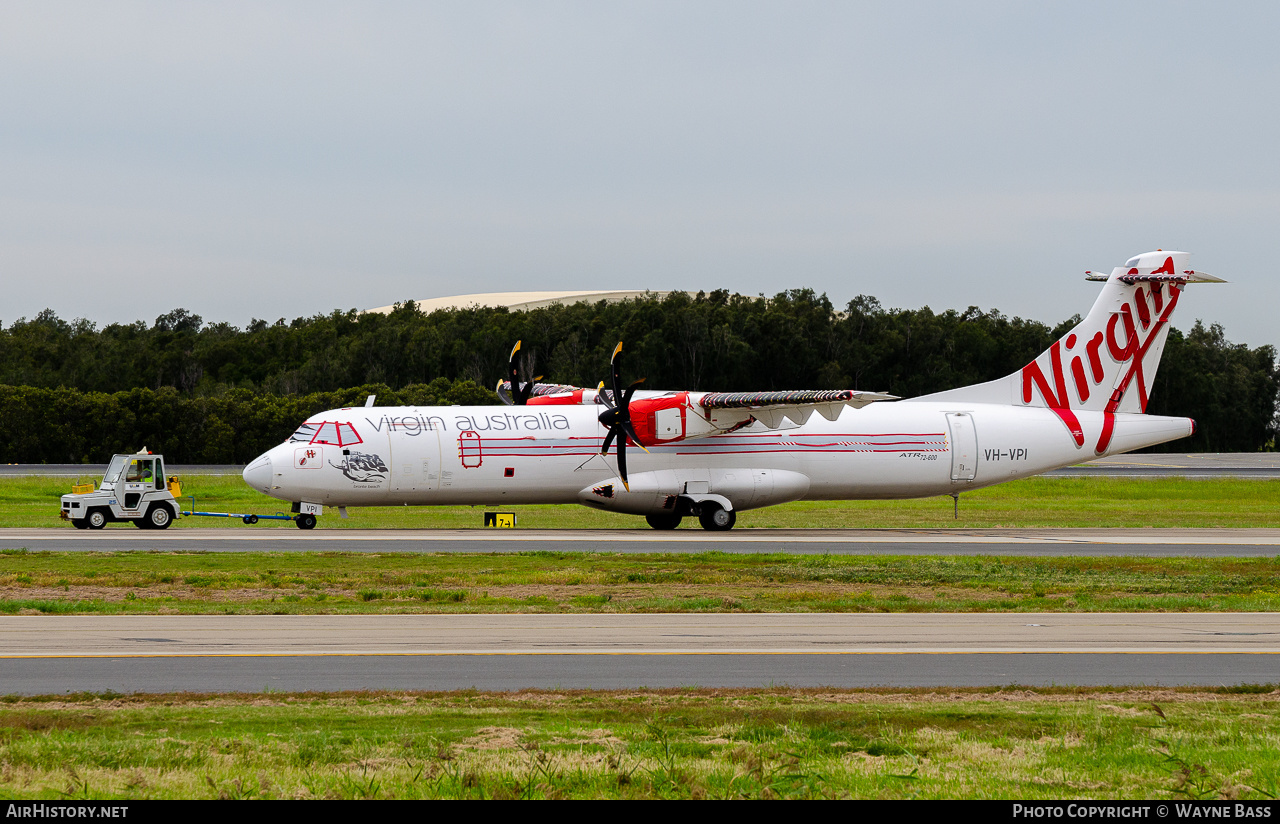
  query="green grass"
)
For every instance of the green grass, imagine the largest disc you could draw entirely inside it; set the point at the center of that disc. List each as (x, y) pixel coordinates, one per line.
(568, 582)
(1034, 502)
(691, 743)
(305, 583)
(779, 743)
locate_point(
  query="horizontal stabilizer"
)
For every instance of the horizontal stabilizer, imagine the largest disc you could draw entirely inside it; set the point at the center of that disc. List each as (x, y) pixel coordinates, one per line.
(1189, 276)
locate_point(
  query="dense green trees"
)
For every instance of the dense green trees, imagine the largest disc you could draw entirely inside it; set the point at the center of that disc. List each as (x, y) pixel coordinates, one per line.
(711, 341)
(71, 391)
(70, 426)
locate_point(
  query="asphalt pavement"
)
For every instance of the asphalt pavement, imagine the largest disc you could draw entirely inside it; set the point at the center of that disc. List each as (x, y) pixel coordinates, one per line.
(156, 654)
(1048, 542)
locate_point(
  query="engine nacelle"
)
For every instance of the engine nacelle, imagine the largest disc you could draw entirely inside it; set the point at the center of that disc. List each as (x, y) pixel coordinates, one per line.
(668, 419)
(663, 490)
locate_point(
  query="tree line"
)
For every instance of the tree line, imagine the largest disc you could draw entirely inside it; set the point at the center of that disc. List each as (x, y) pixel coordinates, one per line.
(216, 393)
(70, 426)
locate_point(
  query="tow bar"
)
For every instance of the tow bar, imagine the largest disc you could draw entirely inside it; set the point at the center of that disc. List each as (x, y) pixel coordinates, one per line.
(247, 518)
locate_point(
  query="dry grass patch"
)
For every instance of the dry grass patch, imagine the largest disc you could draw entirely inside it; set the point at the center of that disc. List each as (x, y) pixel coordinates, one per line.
(688, 743)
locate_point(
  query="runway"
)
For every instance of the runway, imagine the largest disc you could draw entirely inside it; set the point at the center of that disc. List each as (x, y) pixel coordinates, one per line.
(57, 654)
(1259, 465)
(1048, 542)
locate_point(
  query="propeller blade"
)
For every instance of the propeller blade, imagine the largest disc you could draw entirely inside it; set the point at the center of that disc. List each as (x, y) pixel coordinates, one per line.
(631, 433)
(517, 394)
(617, 370)
(617, 415)
(631, 390)
(518, 397)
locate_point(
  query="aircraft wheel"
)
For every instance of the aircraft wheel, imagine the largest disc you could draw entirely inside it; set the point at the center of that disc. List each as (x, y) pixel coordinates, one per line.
(716, 519)
(663, 520)
(96, 519)
(307, 521)
(158, 517)
(80, 523)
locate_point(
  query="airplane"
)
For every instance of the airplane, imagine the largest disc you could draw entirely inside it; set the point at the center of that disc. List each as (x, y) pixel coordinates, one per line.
(671, 455)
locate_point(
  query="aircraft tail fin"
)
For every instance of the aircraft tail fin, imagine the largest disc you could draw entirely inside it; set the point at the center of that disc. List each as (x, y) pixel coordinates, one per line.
(1107, 362)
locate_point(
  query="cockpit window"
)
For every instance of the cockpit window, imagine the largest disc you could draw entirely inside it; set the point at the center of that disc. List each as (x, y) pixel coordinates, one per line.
(305, 433)
(326, 432)
(1133, 261)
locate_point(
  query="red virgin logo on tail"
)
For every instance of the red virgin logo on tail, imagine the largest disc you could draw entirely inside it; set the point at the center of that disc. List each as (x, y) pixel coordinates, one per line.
(1151, 316)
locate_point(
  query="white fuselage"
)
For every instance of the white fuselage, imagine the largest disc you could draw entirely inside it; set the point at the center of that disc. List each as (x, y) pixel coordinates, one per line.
(497, 455)
(712, 453)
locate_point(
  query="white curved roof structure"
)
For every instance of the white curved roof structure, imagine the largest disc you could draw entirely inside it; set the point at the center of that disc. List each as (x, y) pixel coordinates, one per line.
(524, 301)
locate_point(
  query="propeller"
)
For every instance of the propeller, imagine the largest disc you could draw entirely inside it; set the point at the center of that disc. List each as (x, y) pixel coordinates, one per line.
(516, 395)
(617, 417)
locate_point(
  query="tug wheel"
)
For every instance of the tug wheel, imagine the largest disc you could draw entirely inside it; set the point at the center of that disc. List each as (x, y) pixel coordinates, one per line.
(159, 517)
(96, 519)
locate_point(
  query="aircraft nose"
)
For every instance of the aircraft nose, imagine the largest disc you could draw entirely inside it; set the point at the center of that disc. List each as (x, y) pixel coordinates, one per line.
(259, 473)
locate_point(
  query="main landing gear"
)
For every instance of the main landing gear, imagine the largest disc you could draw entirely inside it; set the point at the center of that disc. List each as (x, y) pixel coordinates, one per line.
(715, 518)
(711, 515)
(664, 520)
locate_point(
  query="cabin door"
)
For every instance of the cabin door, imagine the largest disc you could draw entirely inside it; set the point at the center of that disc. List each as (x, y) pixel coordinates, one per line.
(415, 456)
(964, 447)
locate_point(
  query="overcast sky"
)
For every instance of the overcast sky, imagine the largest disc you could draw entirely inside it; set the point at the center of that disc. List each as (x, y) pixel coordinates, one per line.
(274, 160)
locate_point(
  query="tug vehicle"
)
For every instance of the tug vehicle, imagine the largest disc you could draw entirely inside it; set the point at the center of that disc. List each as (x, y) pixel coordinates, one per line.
(133, 488)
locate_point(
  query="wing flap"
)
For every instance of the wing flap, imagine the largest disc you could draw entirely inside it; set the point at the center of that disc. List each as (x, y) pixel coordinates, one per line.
(775, 410)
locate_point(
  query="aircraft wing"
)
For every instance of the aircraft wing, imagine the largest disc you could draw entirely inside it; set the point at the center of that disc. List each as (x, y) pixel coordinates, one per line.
(679, 416)
(667, 417)
(729, 409)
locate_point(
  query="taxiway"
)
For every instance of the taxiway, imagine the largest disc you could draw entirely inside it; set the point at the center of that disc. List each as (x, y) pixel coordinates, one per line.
(54, 654)
(1050, 542)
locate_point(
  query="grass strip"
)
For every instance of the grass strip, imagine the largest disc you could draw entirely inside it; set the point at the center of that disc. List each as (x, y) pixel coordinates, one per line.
(1034, 502)
(687, 743)
(291, 583)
